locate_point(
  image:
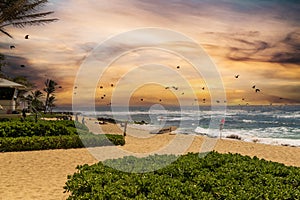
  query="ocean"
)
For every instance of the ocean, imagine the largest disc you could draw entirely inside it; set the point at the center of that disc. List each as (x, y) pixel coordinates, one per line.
(277, 125)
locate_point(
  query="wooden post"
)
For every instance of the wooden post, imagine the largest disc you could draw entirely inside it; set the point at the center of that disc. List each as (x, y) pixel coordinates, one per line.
(125, 128)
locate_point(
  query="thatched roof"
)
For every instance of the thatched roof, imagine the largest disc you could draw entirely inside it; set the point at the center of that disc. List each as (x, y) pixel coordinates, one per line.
(7, 83)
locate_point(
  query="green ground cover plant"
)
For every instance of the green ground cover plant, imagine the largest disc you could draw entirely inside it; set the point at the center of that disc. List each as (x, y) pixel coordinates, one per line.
(27, 135)
(215, 176)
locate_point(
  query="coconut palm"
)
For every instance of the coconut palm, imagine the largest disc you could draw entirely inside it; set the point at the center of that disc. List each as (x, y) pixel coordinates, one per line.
(51, 104)
(21, 13)
(49, 89)
(34, 100)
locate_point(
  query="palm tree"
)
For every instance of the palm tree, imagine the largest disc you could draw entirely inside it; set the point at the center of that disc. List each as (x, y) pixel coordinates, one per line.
(34, 100)
(49, 89)
(51, 104)
(21, 13)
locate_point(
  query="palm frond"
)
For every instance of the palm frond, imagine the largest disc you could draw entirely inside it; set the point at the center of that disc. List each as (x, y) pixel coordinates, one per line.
(6, 33)
(33, 22)
(21, 13)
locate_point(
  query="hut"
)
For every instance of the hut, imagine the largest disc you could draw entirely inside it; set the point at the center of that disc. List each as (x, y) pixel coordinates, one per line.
(8, 95)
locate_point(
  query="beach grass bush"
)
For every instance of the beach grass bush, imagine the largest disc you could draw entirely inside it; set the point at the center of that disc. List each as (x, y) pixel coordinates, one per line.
(62, 134)
(8, 144)
(215, 176)
(41, 128)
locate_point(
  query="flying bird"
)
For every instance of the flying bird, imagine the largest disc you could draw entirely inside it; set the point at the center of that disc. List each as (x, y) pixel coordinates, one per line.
(59, 87)
(175, 88)
(236, 76)
(22, 65)
(112, 85)
(178, 67)
(243, 99)
(101, 87)
(182, 93)
(12, 47)
(102, 97)
(167, 88)
(257, 90)
(160, 100)
(203, 88)
(142, 99)
(253, 86)
(26, 37)
(218, 101)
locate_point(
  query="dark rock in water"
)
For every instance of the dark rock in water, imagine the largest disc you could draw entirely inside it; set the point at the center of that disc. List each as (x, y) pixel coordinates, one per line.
(140, 122)
(106, 120)
(164, 130)
(236, 137)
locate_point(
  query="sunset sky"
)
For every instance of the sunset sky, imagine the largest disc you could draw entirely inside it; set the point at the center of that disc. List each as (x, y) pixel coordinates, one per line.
(258, 40)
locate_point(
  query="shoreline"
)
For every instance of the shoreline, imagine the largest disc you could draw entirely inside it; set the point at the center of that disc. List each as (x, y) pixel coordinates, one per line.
(42, 174)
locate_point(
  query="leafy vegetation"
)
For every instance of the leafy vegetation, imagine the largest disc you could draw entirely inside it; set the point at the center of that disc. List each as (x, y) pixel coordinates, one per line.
(23, 136)
(215, 176)
(20, 13)
(58, 142)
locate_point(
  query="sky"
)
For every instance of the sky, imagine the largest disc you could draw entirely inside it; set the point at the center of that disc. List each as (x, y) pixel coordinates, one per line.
(257, 40)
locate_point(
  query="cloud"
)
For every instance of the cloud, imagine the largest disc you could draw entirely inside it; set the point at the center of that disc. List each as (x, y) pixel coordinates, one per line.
(290, 53)
(284, 51)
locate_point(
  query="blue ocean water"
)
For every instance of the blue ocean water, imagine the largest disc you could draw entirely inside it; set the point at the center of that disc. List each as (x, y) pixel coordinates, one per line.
(265, 124)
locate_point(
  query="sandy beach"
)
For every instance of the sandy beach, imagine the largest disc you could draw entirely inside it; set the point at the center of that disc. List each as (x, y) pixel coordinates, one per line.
(42, 174)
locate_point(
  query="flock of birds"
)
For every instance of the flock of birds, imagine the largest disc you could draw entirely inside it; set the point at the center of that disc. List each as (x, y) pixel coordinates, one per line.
(253, 87)
(167, 87)
(176, 88)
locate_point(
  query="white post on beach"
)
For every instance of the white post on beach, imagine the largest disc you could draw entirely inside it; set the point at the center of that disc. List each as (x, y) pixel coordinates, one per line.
(125, 127)
(221, 127)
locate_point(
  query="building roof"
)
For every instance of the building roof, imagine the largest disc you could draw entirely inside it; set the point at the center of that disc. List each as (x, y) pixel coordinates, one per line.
(7, 83)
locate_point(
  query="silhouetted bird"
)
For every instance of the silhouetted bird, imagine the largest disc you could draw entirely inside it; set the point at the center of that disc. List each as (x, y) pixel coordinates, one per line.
(236, 76)
(112, 85)
(175, 88)
(280, 98)
(75, 87)
(178, 67)
(22, 65)
(101, 87)
(12, 47)
(243, 99)
(253, 86)
(26, 37)
(102, 97)
(59, 87)
(257, 90)
(167, 88)
(160, 100)
(142, 99)
(203, 99)
(203, 88)
(182, 93)
(218, 101)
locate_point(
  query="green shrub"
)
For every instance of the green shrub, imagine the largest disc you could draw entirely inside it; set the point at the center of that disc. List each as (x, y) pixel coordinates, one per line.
(215, 176)
(58, 142)
(41, 128)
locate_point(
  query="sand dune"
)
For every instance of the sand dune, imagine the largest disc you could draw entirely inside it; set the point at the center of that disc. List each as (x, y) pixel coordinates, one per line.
(42, 174)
